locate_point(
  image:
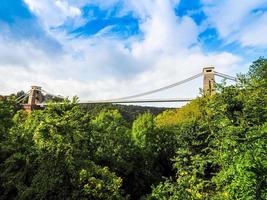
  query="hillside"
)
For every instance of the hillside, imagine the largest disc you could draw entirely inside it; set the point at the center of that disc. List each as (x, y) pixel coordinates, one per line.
(129, 112)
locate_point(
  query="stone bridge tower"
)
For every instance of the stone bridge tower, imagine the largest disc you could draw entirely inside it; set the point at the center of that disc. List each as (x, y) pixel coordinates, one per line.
(208, 81)
(35, 97)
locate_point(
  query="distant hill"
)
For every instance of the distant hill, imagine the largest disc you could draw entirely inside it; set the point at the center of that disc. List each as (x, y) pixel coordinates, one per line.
(129, 112)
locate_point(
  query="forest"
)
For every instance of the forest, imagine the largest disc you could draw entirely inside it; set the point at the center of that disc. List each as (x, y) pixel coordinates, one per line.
(214, 147)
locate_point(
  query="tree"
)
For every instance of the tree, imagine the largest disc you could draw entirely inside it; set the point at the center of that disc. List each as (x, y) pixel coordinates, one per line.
(48, 158)
(222, 154)
(215, 147)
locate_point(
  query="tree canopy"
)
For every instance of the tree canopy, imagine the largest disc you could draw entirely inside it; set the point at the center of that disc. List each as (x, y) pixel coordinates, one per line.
(215, 147)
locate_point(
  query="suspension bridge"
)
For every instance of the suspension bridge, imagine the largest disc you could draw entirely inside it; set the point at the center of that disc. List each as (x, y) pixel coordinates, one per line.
(35, 94)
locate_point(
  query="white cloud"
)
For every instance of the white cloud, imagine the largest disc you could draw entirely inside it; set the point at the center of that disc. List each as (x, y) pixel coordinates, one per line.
(92, 77)
(53, 13)
(164, 32)
(237, 21)
(255, 34)
(98, 67)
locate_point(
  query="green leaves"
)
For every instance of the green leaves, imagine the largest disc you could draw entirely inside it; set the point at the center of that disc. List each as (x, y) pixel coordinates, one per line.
(213, 148)
(222, 155)
(93, 183)
(143, 129)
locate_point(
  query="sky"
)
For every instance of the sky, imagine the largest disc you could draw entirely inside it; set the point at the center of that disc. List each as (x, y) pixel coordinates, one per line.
(99, 49)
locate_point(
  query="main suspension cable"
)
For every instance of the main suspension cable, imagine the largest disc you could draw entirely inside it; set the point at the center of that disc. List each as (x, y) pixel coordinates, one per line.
(21, 100)
(151, 91)
(22, 96)
(157, 90)
(225, 76)
(58, 96)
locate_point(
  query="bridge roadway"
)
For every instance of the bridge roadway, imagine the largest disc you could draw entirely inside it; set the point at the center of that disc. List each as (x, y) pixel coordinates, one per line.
(130, 101)
(140, 101)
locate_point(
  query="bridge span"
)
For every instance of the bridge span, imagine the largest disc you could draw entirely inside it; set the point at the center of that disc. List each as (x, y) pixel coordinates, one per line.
(35, 99)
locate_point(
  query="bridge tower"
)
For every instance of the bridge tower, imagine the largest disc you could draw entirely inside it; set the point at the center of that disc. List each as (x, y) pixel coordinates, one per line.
(208, 81)
(35, 97)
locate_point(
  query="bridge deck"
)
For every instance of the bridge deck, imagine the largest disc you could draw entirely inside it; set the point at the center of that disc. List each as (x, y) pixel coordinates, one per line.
(139, 101)
(129, 101)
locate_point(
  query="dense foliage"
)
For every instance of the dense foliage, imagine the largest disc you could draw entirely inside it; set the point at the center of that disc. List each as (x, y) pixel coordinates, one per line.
(128, 112)
(212, 148)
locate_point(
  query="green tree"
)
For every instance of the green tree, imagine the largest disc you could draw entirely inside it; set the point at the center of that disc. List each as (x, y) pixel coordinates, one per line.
(221, 155)
(49, 158)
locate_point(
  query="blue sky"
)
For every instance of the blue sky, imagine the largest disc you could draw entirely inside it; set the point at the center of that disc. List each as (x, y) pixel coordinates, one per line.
(101, 49)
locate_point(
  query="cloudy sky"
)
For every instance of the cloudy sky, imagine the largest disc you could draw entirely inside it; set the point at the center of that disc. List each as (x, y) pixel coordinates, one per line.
(99, 49)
